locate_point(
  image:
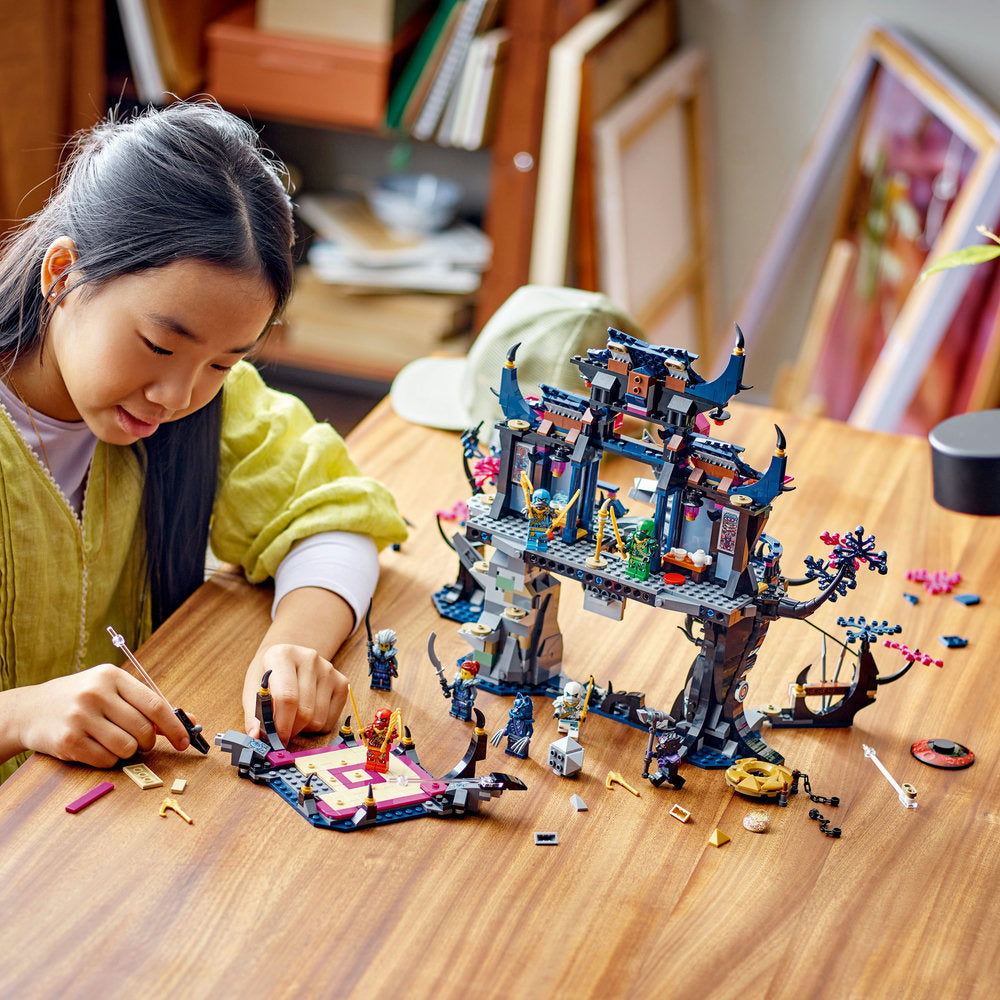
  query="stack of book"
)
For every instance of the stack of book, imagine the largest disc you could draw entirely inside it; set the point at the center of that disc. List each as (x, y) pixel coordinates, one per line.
(164, 39)
(364, 335)
(448, 90)
(361, 305)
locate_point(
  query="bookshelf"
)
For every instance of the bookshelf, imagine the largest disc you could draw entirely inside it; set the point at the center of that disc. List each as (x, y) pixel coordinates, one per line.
(512, 159)
(534, 27)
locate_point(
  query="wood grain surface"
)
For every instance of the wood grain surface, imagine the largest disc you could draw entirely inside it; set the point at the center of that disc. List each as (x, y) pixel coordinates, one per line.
(251, 901)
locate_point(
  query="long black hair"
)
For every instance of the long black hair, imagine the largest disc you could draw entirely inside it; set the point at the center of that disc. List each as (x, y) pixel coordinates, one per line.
(188, 181)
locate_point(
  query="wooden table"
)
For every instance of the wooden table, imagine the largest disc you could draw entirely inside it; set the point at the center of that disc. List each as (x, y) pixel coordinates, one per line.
(252, 901)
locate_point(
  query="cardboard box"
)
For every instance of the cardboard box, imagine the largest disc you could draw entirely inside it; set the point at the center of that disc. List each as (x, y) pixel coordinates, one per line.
(307, 79)
(368, 22)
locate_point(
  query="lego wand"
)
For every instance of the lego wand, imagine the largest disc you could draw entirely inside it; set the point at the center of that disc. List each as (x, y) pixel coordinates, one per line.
(194, 732)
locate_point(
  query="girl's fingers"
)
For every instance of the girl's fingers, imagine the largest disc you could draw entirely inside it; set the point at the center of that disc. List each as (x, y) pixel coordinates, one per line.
(156, 715)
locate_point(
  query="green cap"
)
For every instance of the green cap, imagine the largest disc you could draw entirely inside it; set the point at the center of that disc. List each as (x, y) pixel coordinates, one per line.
(551, 323)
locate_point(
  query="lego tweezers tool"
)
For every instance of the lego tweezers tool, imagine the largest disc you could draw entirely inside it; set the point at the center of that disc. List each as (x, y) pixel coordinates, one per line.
(194, 732)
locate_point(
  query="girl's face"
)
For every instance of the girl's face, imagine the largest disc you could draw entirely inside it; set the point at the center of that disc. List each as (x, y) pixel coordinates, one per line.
(148, 347)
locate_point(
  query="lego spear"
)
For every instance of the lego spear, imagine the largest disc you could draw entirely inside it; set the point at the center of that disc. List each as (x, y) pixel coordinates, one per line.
(586, 699)
(357, 719)
(618, 534)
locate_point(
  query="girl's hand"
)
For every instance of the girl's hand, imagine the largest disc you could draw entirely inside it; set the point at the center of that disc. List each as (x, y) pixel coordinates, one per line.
(308, 692)
(97, 717)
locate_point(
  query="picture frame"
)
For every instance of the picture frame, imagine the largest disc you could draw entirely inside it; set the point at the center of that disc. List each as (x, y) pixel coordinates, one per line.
(921, 170)
(655, 255)
(589, 69)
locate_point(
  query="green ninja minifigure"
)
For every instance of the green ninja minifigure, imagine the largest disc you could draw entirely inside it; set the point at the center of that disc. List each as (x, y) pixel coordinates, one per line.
(639, 550)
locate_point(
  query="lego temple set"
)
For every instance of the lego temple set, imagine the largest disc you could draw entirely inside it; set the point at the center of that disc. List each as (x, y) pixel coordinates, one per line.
(702, 551)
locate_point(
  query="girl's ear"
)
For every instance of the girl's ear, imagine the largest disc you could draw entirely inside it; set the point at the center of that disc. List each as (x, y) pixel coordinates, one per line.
(60, 258)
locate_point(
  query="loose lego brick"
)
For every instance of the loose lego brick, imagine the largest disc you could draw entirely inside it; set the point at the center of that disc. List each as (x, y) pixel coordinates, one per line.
(546, 839)
(967, 599)
(142, 776)
(177, 788)
(679, 812)
(84, 800)
(565, 756)
(935, 581)
(718, 838)
(578, 804)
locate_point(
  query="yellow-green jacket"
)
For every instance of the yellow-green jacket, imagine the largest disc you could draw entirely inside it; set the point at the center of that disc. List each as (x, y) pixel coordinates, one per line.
(64, 579)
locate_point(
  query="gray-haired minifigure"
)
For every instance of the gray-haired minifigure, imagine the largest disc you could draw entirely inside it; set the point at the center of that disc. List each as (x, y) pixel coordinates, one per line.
(382, 659)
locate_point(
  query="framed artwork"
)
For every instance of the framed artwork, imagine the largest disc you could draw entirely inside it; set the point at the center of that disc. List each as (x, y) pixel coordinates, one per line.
(590, 68)
(653, 207)
(964, 371)
(879, 348)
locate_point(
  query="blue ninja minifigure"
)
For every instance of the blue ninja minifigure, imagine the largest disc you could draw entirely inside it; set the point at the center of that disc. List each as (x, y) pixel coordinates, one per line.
(519, 729)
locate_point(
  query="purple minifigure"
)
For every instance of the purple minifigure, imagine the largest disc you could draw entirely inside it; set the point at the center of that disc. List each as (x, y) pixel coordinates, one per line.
(665, 751)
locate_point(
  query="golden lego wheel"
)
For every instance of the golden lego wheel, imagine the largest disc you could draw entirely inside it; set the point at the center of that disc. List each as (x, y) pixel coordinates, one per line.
(757, 778)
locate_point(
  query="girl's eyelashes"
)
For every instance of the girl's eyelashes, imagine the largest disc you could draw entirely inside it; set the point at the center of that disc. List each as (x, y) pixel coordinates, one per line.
(155, 348)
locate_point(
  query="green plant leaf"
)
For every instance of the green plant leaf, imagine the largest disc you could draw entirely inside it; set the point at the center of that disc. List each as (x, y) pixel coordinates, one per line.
(978, 254)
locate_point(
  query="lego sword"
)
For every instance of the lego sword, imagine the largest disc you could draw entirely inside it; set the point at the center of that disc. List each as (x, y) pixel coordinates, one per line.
(438, 669)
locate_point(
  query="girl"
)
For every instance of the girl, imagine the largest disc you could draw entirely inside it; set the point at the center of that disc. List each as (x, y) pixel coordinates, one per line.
(131, 433)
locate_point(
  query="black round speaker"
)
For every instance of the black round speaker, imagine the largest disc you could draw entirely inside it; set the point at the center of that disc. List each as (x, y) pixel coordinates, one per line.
(965, 458)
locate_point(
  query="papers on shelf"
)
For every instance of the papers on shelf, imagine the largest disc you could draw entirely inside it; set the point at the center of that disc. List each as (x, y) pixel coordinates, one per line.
(354, 248)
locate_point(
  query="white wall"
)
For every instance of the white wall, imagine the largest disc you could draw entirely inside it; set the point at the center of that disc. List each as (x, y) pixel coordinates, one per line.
(774, 65)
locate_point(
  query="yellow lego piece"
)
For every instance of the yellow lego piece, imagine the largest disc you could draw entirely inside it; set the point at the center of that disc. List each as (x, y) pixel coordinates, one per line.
(718, 838)
(615, 778)
(757, 778)
(177, 788)
(172, 804)
(142, 776)
(679, 812)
